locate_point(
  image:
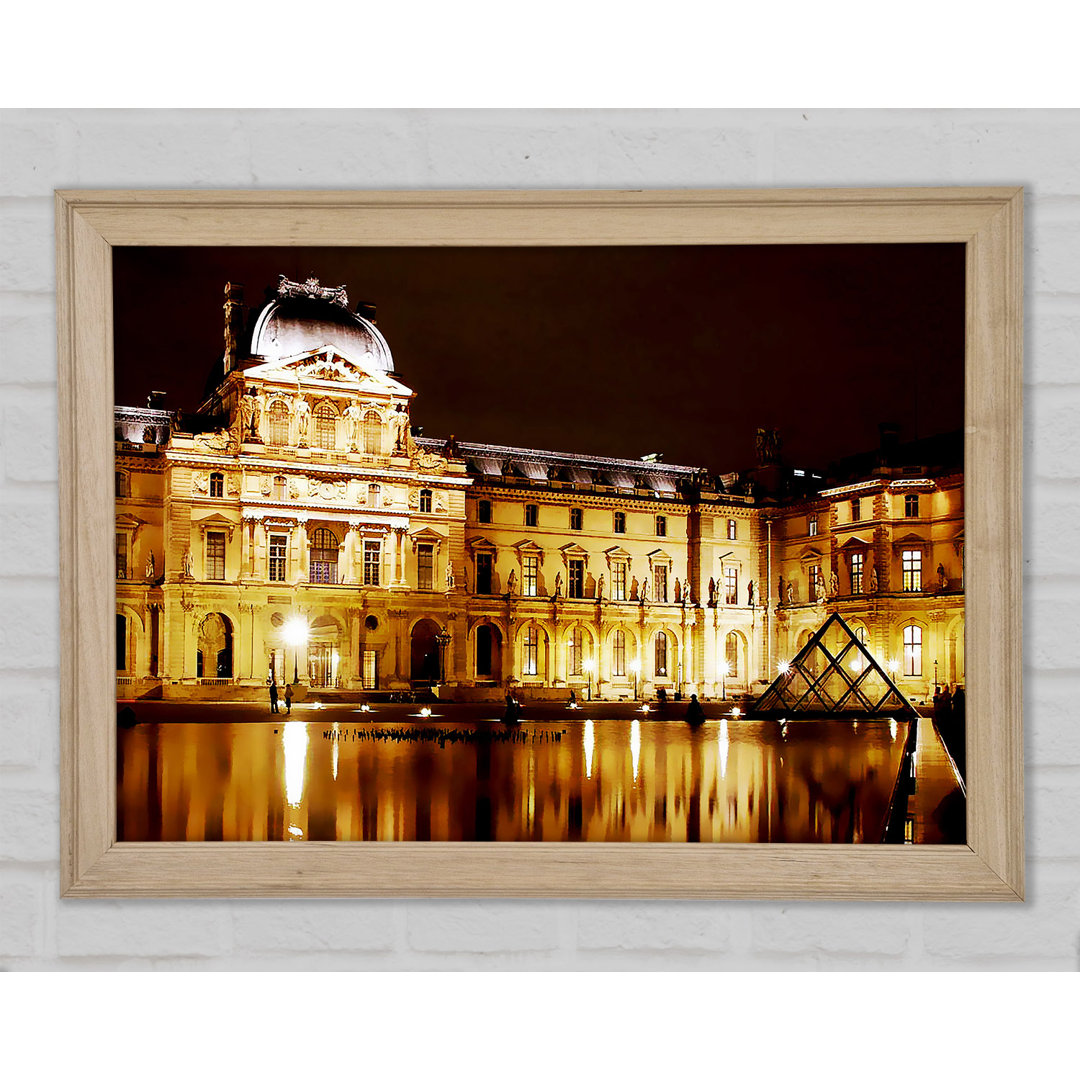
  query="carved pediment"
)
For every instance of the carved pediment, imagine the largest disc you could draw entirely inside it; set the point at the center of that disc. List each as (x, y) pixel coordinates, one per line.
(811, 554)
(327, 365)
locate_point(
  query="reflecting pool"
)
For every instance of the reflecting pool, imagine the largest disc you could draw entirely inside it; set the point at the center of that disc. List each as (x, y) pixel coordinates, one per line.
(336, 775)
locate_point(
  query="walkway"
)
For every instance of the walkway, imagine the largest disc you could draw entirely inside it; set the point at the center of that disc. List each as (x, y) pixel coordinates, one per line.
(938, 804)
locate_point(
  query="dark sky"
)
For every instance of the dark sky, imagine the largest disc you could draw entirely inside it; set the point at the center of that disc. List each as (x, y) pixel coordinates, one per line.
(620, 351)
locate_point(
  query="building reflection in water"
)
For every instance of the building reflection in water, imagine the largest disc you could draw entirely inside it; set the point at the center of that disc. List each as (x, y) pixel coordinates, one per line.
(607, 780)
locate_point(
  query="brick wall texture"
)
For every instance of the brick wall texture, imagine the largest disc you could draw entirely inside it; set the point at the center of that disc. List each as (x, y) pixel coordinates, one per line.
(41, 150)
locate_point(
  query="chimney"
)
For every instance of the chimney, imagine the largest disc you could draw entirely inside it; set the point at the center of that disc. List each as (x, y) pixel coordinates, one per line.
(234, 324)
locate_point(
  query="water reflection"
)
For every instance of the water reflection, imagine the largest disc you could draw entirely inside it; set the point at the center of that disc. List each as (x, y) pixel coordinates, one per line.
(602, 780)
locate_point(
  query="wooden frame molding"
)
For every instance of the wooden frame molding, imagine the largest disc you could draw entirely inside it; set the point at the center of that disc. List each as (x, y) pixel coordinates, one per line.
(987, 220)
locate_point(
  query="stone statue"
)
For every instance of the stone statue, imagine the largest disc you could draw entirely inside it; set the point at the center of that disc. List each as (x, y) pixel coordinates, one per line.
(558, 584)
(750, 594)
(465, 577)
(303, 417)
(780, 589)
(712, 592)
(511, 583)
(249, 409)
(150, 574)
(644, 590)
(873, 580)
(353, 418)
(600, 588)
(834, 585)
(399, 423)
(942, 580)
(819, 589)
(790, 593)
(189, 566)
(449, 575)
(678, 592)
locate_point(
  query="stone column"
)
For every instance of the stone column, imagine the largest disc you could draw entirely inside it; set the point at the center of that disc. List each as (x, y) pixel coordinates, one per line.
(558, 663)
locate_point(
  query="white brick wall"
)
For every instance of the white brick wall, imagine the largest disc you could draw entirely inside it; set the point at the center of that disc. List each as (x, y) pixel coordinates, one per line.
(43, 150)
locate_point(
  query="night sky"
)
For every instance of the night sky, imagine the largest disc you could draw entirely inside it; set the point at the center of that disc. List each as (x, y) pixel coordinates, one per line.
(608, 350)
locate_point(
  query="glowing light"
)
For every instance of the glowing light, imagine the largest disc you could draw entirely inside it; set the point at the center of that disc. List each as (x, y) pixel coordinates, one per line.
(725, 668)
(573, 705)
(295, 830)
(856, 665)
(295, 743)
(588, 665)
(365, 707)
(644, 708)
(783, 667)
(588, 748)
(316, 704)
(635, 666)
(724, 742)
(635, 745)
(334, 750)
(892, 730)
(736, 711)
(425, 711)
(295, 630)
(893, 667)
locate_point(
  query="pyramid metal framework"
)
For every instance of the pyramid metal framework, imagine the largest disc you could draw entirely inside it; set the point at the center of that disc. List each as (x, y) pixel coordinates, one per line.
(834, 675)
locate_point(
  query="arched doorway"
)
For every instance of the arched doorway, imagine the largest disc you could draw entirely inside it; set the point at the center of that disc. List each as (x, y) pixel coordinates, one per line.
(214, 659)
(488, 653)
(323, 652)
(424, 662)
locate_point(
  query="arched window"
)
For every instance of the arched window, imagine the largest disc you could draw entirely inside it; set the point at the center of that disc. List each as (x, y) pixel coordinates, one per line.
(575, 648)
(279, 424)
(425, 501)
(912, 650)
(279, 488)
(532, 644)
(324, 557)
(325, 427)
(731, 654)
(217, 485)
(618, 653)
(123, 488)
(661, 654)
(372, 433)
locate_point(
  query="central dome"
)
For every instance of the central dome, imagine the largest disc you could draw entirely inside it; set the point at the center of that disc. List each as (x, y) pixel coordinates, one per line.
(307, 317)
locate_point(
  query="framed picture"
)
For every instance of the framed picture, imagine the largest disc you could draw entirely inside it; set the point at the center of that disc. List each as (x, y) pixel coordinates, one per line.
(541, 543)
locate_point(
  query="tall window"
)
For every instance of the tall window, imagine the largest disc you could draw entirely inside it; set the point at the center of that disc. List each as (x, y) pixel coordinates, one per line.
(279, 488)
(731, 585)
(618, 581)
(532, 515)
(911, 564)
(532, 642)
(618, 653)
(278, 546)
(325, 427)
(278, 415)
(575, 518)
(483, 512)
(324, 557)
(660, 584)
(912, 650)
(123, 489)
(620, 521)
(425, 501)
(732, 529)
(484, 567)
(576, 587)
(121, 557)
(856, 509)
(811, 525)
(814, 573)
(374, 494)
(661, 653)
(121, 643)
(215, 556)
(661, 525)
(425, 566)
(217, 485)
(731, 654)
(372, 561)
(372, 433)
(856, 571)
(911, 506)
(530, 569)
(575, 647)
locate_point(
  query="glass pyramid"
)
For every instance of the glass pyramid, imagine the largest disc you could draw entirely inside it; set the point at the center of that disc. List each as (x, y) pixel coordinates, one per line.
(833, 675)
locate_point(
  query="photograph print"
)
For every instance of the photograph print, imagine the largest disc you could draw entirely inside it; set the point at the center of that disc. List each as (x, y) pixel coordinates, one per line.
(608, 544)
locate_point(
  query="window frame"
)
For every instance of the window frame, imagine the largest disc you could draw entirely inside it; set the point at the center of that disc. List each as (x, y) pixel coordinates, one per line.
(856, 568)
(661, 525)
(530, 575)
(326, 418)
(575, 566)
(277, 424)
(485, 567)
(619, 522)
(211, 560)
(856, 509)
(425, 501)
(372, 562)
(660, 655)
(908, 504)
(912, 650)
(732, 529)
(731, 584)
(277, 565)
(618, 654)
(483, 511)
(332, 564)
(577, 519)
(425, 560)
(532, 510)
(911, 570)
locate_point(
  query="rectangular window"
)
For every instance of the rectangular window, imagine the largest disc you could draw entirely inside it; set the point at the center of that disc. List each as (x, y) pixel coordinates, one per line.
(912, 650)
(811, 526)
(217, 485)
(911, 506)
(532, 637)
(279, 543)
(732, 529)
(618, 654)
(374, 494)
(530, 572)
(576, 589)
(372, 561)
(856, 509)
(483, 512)
(121, 484)
(532, 515)
(731, 585)
(660, 584)
(215, 556)
(911, 563)
(620, 521)
(661, 525)
(121, 556)
(814, 574)
(484, 567)
(574, 650)
(575, 518)
(425, 501)
(618, 581)
(425, 566)
(368, 675)
(856, 572)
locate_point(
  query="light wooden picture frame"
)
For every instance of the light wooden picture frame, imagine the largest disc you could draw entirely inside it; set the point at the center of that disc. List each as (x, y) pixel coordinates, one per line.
(988, 221)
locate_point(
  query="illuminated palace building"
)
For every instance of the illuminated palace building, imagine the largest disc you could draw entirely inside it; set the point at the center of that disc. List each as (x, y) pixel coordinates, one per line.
(295, 524)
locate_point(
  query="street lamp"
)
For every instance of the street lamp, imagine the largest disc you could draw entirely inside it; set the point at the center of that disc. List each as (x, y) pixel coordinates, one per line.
(588, 666)
(443, 639)
(635, 667)
(296, 634)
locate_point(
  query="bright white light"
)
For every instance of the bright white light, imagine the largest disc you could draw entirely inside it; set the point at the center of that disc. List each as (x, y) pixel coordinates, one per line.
(725, 742)
(635, 666)
(295, 830)
(783, 667)
(725, 668)
(295, 743)
(736, 711)
(365, 707)
(295, 631)
(425, 711)
(892, 730)
(635, 745)
(588, 665)
(334, 750)
(894, 667)
(645, 708)
(856, 665)
(573, 705)
(588, 748)
(316, 705)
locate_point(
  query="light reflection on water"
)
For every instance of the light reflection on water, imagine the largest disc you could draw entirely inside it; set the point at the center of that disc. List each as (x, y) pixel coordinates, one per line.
(603, 780)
